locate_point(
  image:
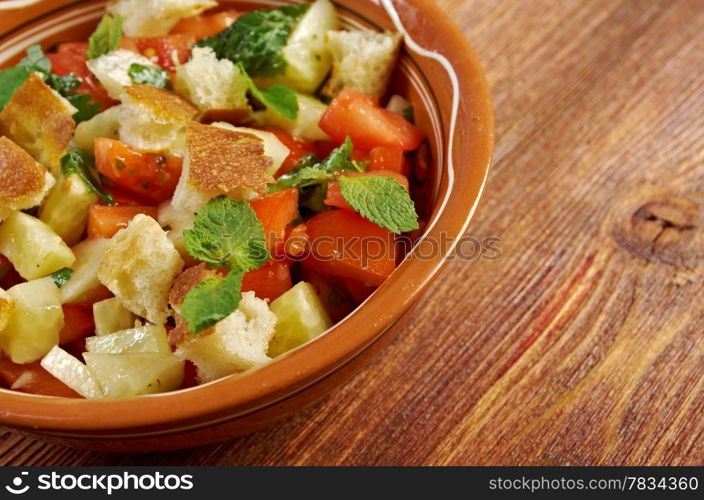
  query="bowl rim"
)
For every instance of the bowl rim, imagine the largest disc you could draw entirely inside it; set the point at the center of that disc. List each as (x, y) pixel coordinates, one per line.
(238, 395)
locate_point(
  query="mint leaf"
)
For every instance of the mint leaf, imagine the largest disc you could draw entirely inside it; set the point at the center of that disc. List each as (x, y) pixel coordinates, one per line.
(87, 109)
(227, 233)
(257, 39)
(381, 200)
(300, 178)
(212, 300)
(36, 60)
(61, 276)
(78, 163)
(340, 159)
(106, 36)
(10, 80)
(278, 97)
(149, 75)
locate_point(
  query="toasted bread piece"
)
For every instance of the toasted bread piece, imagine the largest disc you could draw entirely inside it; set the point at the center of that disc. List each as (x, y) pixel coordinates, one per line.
(362, 60)
(211, 83)
(139, 264)
(150, 18)
(39, 120)
(183, 284)
(221, 162)
(23, 182)
(153, 119)
(112, 70)
(235, 344)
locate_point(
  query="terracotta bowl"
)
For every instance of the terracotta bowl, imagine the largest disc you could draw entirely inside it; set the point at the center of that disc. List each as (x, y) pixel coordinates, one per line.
(440, 74)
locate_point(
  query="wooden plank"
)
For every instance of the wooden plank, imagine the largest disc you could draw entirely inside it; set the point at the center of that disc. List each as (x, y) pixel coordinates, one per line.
(584, 343)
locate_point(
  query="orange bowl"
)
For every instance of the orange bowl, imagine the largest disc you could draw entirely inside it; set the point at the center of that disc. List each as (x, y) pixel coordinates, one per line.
(440, 75)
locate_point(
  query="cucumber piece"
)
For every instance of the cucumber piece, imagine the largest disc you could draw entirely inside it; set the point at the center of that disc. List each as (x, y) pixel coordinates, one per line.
(149, 338)
(66, 208)
(72, 372)
(110, 316)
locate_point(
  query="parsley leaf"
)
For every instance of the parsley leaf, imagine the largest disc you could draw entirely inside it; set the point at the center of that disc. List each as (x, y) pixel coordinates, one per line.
(149, 75)
(106, 36)
(257, 39)
(78, 163)
(212, 300)
(227, 233)
(381, 200)
(61, 276)
(278, 97)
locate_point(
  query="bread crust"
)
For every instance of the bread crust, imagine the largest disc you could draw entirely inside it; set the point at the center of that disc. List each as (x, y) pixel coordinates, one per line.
(23, 181)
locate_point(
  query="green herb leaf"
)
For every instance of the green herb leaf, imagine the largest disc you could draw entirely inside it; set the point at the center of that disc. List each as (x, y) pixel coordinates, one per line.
(300, 178)
(87, 109)
(61, 276)
(278, 97)
(10, 80)
(36, 60)
(106, 36)
(381, 200)
(149, 75)
(257, 39)
(340, 159)
(409, 114)
(227, 233)
(78, 163)
(212, 300)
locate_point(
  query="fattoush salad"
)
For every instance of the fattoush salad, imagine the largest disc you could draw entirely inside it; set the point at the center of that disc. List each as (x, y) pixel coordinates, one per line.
(192, 192)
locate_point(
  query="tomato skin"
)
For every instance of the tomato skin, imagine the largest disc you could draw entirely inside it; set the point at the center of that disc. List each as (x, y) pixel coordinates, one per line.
(270, 281)
(276, 211)
(389, 159)
(41, 381)
(105, 221)
(71, 58)
(358, 116)
(334, 196)
(161, 49)
(150, 176)
(124, 198)
(357, 290)
(296, 241)
(78, 323)
(297, 148)
(346, 245)
(204, 25)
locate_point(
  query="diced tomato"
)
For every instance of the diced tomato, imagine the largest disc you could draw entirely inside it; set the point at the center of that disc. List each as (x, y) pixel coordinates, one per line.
(78, 323)
(34, 379)
(276, 211)
(105, 221)
(150, 176)
(357, 290)
(358, 116)
(71, 58)
(332, 293)
(11, 278)
(190, 375)
(296, 147)
(296, 241)
(122, 197)
(270, 281)
(344, 244)
(167, 51)
(205, 25)
(391, 159)
(334, 196)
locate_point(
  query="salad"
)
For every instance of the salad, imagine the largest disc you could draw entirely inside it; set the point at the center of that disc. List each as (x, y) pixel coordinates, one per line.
(194, 191)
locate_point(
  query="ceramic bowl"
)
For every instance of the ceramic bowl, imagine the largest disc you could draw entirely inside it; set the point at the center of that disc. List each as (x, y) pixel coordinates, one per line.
(440, 74)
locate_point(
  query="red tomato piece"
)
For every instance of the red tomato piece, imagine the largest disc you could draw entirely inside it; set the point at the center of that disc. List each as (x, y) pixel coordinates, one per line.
(332, 293)
(34, 378)
(357, 290)
(270, 281)
(344, 244)
(78, 323)
(358, 116)
(276, 211)
(391, 159)
(296, 241)
(104, 221)
(167, 51)
(204, 25)
(122, 197)
(150, 176)
(71, 58)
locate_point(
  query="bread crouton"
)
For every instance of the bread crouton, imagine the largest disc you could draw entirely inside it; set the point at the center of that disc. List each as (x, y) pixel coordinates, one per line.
(23, 182)
(153, 119)
(183, 284)
(149, 18)
(139, 264)
(235, 344)
(40, 121)
(112, 70)
(7, 305)
(221, 162)
(211, 83)
(362, 61)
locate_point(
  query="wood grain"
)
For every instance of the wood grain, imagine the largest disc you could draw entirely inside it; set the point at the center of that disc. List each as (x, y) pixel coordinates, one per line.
(584, 343)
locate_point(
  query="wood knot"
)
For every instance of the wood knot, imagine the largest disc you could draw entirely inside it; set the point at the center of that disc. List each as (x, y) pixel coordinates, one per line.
(660, 227)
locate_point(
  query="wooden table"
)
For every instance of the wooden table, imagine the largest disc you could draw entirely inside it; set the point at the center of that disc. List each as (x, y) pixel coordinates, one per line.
(584, 343)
